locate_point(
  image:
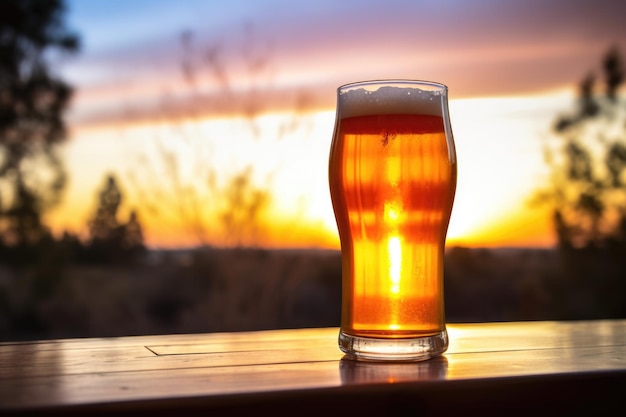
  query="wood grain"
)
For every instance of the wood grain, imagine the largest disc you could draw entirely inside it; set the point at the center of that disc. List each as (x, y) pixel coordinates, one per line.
(501, 363)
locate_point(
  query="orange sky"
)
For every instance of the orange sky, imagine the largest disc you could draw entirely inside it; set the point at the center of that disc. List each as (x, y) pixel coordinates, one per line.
(498, 149)
(511, 68)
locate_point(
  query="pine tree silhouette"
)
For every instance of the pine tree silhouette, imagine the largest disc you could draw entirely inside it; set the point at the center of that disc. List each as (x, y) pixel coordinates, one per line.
(111, 241)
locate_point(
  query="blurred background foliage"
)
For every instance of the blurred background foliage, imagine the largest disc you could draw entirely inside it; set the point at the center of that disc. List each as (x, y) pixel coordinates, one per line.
(109, 283)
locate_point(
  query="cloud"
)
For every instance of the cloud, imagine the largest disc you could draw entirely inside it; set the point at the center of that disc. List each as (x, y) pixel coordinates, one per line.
(485, 48)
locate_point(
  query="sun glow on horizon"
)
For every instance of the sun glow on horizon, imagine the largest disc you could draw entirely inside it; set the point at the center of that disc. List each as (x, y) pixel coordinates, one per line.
(498, 143)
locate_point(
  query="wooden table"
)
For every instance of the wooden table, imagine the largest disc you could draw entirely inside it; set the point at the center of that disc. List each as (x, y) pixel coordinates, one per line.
(503, 369)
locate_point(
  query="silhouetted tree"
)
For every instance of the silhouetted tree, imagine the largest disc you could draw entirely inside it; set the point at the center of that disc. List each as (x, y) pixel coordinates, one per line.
(32, 103)
(588, 189)
(104, 224)
(133, 234)
(110, 240)
(588, 199)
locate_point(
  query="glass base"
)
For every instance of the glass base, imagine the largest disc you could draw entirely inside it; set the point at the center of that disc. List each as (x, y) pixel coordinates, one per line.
(415, 349)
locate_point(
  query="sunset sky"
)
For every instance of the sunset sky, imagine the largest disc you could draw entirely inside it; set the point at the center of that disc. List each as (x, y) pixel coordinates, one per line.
(208, 89)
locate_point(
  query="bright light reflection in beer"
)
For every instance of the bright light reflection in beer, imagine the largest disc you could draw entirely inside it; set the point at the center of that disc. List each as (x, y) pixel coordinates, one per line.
(392, 214)
(393, 170)
(395, 263)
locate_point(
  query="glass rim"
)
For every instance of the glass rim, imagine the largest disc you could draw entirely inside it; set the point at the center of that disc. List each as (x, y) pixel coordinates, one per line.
(431, 85)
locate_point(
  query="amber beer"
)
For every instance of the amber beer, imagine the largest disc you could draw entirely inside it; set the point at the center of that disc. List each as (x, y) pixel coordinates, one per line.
(392, 174)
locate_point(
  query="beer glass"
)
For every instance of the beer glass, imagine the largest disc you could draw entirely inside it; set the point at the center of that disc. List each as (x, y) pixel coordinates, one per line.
(392, 178)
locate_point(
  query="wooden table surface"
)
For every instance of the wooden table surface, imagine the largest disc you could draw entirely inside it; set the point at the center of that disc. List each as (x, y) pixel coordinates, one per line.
(514, 368)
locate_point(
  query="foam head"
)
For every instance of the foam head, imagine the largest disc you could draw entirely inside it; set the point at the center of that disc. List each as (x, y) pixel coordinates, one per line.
(362, 99)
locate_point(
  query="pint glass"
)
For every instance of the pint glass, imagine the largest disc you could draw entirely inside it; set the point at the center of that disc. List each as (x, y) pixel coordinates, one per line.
(392, 178)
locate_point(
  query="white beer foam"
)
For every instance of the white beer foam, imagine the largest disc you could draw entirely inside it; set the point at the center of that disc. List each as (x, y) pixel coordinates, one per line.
(391, 100)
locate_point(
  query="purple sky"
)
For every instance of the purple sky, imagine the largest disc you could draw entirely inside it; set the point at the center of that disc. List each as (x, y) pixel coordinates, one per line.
(132, 55)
